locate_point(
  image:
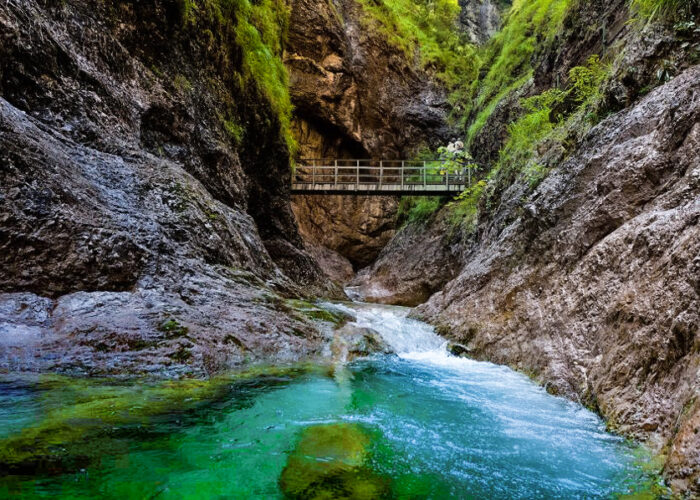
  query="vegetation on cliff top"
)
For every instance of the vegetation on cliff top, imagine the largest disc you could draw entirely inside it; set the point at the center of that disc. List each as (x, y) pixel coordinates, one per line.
(426, 29)
(550, 120)
(665, 9)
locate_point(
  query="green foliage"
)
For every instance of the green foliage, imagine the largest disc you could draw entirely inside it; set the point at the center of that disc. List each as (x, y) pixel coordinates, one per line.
(528, 24)
(455, 158)
(259, 28)
(182, 83)
(585, 81)
(465, 210)
(429, 29)
(543, 119)
(530, 128)
(417, 209)
(665, 10)
(234, 130)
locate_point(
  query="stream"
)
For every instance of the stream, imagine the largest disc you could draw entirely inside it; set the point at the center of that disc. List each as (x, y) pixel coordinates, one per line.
(418, 424)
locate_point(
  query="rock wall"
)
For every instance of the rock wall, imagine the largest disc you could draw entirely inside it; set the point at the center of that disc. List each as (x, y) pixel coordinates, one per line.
(357, 227)
(136, 234)
(355, 96)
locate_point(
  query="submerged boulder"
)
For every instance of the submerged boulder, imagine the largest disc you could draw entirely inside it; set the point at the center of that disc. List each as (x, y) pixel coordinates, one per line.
(329, 462)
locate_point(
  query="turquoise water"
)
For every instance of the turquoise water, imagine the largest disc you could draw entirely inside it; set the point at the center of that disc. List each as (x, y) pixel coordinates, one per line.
(418, 424)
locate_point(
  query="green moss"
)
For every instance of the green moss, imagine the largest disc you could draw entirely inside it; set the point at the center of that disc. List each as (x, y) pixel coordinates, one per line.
(234, 130)
(173, 328)
(426, 29)
(81, 409)
(82, 417)
(315, 312)
(650, 484)
(484, 114)
(418, 209)
(259, 30)
(330, 462)
(182, 83)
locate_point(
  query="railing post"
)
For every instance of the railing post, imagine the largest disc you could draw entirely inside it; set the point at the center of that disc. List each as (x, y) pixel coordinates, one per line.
(313, 172)
(335, 182)
(381, 172)
(402, 167)
(357, 175)
(424, 173)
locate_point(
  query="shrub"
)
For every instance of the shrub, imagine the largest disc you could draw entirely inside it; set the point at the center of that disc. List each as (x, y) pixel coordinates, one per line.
(464, 210)
(585, 81)
(668, 10)
(416, 209)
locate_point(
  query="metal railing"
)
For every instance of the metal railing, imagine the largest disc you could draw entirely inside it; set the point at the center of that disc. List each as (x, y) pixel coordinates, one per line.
(396, 175)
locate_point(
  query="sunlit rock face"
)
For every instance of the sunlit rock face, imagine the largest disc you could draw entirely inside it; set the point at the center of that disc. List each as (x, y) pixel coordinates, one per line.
(356, 227)
(355, 96)
(126, 207)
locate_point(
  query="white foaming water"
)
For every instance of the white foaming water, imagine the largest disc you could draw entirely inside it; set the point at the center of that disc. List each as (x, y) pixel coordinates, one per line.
(406, 336)
(489, 428)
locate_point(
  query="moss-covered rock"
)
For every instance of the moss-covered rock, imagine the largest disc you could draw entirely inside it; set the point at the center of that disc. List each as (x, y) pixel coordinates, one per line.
(81, 415)
(330, 462)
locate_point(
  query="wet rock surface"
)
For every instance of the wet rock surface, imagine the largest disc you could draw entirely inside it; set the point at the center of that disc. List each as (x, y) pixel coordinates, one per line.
(351, 342)
(481, 19)
(135, 234)
(416, 263)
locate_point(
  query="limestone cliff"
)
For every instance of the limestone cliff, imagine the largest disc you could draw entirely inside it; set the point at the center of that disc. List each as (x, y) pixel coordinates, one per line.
(480, 19)
(144, 206)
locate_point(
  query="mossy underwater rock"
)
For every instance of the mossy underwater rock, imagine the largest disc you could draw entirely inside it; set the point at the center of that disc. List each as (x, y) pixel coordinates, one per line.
(82, 419)
(329, 462)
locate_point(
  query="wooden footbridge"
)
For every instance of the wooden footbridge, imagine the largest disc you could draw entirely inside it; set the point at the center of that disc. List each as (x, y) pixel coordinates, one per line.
(379, 177)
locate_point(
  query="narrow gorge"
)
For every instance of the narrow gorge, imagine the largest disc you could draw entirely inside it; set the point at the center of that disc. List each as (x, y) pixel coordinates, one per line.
(178, 320)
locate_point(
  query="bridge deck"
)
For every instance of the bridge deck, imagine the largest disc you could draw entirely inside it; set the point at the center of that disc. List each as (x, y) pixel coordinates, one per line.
(380, 177)
(376, 189)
